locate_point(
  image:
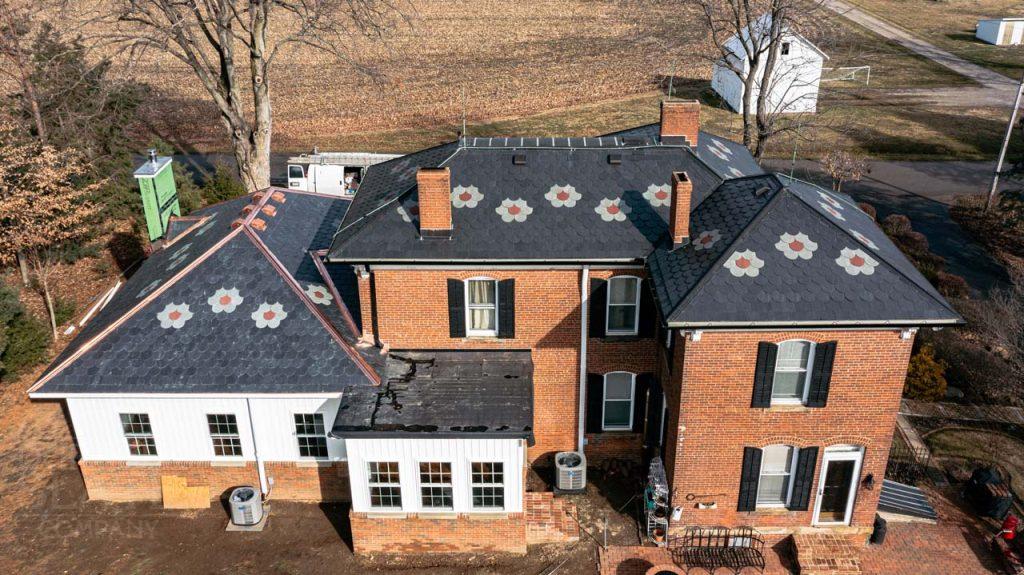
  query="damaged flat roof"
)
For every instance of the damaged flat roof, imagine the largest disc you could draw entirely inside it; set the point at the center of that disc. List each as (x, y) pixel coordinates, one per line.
(443, 394)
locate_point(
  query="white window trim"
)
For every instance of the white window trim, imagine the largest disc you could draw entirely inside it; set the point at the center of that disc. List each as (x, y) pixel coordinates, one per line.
(467, 307)
(802, 400)
(126, 436)
(420, 485)
(237, 436)
(503, 485)
(794, 453)
(296, 435)
(835, 453)
(608, 308)
(370, 485)
(604, 401)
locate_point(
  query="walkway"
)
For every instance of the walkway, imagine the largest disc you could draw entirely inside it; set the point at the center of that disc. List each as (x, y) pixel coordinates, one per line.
(960, 412)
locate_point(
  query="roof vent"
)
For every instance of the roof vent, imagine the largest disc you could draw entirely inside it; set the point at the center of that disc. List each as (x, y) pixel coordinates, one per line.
(762, 191)
(519, 159)
(615, 159)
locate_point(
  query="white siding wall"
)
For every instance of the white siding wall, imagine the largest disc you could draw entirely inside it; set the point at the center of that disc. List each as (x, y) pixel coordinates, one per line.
(409, 453)
(794, 85)
(180, 429)
(989, 31)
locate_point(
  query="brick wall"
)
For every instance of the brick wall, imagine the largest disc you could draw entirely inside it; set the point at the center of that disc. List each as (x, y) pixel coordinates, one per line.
(710, 411)
(118, 481)
(457, 533)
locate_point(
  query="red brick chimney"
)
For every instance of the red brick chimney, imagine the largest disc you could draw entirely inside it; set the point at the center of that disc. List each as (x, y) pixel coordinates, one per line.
(435, 188)
(679, 213)
(680, 120)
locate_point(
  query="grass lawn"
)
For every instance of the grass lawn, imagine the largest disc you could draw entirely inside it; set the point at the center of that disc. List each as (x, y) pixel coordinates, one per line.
(980, 447)
(950, 25)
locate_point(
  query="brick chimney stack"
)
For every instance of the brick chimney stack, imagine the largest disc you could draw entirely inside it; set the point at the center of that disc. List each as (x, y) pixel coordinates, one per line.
(680, 121)
(435, 186)
(679, 213)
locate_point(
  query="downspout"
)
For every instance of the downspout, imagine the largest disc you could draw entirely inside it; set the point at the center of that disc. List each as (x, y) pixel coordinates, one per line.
(260, 469)
(584, 309)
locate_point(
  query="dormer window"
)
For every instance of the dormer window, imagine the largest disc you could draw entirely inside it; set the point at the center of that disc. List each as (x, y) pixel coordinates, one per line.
(623, 305)
(785, 48)
(791, 372)
(481, 307)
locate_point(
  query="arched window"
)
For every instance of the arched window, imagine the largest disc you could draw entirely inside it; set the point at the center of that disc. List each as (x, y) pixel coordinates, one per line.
(482, 307)
(617, 412)
(775, 485)
(623, 305)
(792, 370)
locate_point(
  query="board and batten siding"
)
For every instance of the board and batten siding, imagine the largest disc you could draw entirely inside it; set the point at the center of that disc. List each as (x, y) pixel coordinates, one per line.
(461, 453)
(181, 431)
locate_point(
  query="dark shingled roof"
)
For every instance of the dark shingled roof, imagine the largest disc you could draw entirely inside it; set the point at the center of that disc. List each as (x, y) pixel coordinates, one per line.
(724, 157)
(147, 341)
(443, 393)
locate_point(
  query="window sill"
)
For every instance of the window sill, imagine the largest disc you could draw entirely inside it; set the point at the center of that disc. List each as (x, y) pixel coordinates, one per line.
(488, 516)
(384, 514)
(314, 463)
(770, 511)
(445, 515)
(789, 408)
(143, 463)
(228, 463)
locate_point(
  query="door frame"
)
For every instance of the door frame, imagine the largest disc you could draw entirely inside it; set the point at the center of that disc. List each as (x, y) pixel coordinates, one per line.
(839, 453)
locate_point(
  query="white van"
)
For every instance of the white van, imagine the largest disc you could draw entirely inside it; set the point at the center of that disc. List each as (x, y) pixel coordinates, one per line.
(335, 173)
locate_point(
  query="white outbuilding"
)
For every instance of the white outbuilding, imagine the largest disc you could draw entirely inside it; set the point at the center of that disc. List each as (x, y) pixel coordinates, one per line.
(1001, 31)
(794, 80)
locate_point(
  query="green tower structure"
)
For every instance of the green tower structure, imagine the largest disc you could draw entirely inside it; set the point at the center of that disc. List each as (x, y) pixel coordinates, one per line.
(159, 194)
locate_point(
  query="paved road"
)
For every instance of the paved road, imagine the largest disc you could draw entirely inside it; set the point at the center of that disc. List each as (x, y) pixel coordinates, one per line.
(994, 89)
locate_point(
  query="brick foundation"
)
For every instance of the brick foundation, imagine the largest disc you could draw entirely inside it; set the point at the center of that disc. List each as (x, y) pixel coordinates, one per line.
(457, 533)
(119, 481)
(549, 519)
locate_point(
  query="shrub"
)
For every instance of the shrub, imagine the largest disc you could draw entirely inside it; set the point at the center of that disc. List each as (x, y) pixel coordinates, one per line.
(896, 225)
(10, 308)
(951, 285)
(63, 310)
(221, 185)
(925, 376)
(27, 342)
(868, 209)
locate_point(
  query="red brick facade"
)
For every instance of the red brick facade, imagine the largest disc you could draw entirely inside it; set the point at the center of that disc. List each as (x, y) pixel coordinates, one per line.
(121, 481)
(454, 533)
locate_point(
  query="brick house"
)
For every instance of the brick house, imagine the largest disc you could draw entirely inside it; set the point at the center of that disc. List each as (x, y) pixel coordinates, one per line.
(484, 304)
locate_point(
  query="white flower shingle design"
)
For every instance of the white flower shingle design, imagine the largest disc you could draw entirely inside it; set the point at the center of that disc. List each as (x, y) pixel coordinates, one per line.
(408, 214)
(745, 263)
(225, 300)
(177, 262)
(718, 152)
(832, 211)
(180, 251)
(319, 294)
(269, 315)
(725, 149)
(864, 239)
(466, 196)
(174, 315)
(205, 227)
(856, 262)
(658, 195)
(831, 200)
(706, 240)
(612, 210)
(145, 291)
(563, 196)
(513, 210)
(735, 172)
(795, 246)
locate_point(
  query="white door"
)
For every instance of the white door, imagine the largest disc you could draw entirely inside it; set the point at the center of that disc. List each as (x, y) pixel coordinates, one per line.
(297, 178)
(837, 485)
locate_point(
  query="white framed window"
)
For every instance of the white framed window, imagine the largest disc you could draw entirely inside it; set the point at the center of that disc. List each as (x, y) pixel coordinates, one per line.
(436, 485)
(139, 434)
(617, 407)
(481, 307)
(487, 480)
(623, 313)
(775, 485)
(792, 372)
(785, 48)
(310, 435)
(224, 434)
(385, 485)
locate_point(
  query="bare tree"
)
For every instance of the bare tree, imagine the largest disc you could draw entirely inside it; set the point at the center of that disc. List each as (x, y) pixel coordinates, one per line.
(231, 46)
(1001, 321)
(843, 167)
(16, 35)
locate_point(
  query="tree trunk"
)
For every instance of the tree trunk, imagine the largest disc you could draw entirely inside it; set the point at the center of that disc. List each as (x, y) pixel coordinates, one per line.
(23, 267)
(748, 92)
(44, 281)
(263, 125)
(764, 116)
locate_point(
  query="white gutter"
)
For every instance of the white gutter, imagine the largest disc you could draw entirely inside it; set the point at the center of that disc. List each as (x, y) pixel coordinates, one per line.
(260, 469)
(581, 409)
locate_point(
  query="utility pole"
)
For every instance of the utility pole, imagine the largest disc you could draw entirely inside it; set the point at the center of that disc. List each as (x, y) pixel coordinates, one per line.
(1006, 144)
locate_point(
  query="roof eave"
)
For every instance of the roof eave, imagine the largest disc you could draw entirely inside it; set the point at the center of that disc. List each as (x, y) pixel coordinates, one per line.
(818, 323)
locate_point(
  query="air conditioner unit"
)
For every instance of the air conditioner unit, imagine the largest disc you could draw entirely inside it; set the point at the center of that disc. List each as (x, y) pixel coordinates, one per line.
(570, 471)
(246, 506)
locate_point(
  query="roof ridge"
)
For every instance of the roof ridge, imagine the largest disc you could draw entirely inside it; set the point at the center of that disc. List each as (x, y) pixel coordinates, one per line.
(704, 278)
(875, 252)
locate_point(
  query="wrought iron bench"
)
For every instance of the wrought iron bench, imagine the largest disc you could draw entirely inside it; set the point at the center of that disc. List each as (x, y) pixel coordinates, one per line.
(714, 548)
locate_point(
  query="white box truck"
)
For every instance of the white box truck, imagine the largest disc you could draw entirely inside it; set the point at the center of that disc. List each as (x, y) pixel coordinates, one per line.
(335, 173)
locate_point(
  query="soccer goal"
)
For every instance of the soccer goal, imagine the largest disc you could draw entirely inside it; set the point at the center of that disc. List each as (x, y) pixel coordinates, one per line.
(847, 74)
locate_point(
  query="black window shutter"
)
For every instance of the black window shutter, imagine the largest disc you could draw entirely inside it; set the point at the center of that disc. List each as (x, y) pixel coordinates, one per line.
(821, 374)
(507, 309)
(595, 402)
(764, 374)
(456, 309)
(749, 476)
(655, 406)
(648, 322)
(598, 303)
(670, 351)
(644, 383)
(803, 479)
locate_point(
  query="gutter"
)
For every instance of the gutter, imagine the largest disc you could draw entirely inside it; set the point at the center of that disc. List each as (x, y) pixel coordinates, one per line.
(377, 434)
(584, 309)
(781, 326)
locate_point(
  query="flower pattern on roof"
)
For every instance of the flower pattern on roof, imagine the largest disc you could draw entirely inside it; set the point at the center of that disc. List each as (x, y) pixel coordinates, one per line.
(319, 294)
(466, 196)
(145, 291)
(408, 214)
(269, 315)
(612, 210)
(563, 196)
(831, 200)
(718, 152)
(721, 146)
(795, 246)
(736, 173)
(856, 262)
(177, 262)
(225, 300)
(658, 194)
(832, 211)
(174, 315)
(513, 210)
(745, 263)
(181, 251)
(706, 240)
(864, 239)
(205, 227)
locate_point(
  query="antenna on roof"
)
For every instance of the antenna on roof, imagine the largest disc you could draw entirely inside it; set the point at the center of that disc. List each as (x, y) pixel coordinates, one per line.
(464, 111)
